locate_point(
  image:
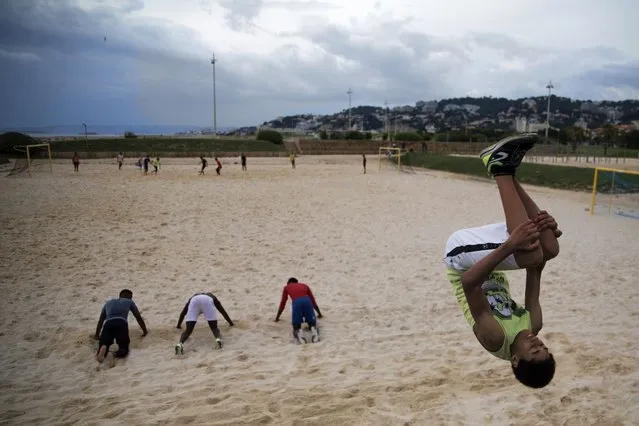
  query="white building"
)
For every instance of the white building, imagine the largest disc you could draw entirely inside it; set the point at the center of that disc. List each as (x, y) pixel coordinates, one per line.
(522, 125)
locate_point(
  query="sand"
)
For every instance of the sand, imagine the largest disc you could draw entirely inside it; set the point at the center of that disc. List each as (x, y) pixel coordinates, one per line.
(396, 349)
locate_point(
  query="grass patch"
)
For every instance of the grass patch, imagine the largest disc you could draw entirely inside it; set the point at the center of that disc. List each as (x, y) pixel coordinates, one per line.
(151, 145)
(166, 145)
(561, 177)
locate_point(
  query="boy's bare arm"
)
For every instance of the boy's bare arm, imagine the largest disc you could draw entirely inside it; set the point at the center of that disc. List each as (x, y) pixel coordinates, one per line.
(533, 284)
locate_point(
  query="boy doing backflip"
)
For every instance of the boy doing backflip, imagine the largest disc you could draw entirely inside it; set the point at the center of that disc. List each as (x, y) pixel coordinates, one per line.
(476, 259)
(208, 305)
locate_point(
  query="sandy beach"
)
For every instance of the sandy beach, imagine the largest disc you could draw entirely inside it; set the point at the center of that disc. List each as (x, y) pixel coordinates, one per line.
(396, 349)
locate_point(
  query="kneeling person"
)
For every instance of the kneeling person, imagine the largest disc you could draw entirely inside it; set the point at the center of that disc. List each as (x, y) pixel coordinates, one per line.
(208, 305)
(113, 325)
(303, 303)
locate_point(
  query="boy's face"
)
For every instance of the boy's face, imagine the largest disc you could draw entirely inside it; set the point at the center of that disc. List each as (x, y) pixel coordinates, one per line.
(530, 348)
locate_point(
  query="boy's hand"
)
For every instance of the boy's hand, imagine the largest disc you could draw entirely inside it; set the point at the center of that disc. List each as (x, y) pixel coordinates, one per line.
(525, 237)
(545, 221)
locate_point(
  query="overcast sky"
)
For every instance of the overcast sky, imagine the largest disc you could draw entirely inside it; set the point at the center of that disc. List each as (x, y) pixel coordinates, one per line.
(282, 57)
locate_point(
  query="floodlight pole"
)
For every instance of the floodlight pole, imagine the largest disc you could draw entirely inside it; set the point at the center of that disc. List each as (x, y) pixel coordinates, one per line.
(350, 126)
(213, 61)
(386, 118)
(86, 138)
(549, 87)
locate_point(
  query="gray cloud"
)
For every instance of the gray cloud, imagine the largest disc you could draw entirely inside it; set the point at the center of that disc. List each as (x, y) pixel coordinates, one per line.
(19, 56)
(152, 70)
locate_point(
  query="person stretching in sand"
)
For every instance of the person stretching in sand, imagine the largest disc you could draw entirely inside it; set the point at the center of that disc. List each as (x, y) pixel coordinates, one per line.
(113, 325)
(120, 160)
(204, 163)
(476, 259)
(201, 303)
(303, 302)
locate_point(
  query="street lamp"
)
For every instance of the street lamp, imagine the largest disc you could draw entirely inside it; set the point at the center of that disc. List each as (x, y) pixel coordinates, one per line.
(86, 138)
(213, 61)
(549, 87)
(350, 92)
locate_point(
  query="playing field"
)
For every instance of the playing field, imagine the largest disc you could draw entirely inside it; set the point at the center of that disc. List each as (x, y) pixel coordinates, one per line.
(396, 349)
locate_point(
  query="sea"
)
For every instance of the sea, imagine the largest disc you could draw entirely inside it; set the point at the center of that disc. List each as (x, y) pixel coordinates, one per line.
(110, 130)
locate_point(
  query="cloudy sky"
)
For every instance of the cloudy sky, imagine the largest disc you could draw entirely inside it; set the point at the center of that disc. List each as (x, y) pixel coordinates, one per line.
(280, 57)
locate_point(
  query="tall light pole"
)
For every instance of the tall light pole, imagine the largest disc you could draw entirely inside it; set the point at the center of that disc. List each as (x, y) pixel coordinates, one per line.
(213, 61)
(86, 138)
(386, 118)
(549, 87)
(350, 127)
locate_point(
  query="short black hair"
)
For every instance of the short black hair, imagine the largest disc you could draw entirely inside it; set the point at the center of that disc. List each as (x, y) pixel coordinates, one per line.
(126, 293)
(535, 374)
(292, 280)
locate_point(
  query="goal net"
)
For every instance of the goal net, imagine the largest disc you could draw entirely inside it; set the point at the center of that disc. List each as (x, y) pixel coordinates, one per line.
(615, 191)
(392, 154)
(34, 158)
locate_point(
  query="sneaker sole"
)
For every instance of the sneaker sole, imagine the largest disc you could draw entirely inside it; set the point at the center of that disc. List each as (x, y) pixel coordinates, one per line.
(101, 354)
(110, 360)
(523, 138)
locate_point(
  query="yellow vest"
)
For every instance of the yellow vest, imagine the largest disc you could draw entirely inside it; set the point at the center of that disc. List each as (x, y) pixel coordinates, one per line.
(511, 317)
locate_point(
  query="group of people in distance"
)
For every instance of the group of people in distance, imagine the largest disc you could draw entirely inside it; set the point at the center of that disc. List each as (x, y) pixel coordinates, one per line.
(476, 261)
(113, 322)
(144, 162)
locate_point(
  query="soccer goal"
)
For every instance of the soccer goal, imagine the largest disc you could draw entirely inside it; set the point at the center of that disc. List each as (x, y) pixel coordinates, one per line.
(615, 191)
(36, 157)
(391, 153)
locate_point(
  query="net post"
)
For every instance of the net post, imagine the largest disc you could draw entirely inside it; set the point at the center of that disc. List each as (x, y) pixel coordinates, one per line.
(50, 162)
(594, 191)
(28, 161)
(612, 190)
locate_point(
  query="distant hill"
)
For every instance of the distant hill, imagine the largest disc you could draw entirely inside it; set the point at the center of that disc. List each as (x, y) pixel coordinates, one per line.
(460, 113)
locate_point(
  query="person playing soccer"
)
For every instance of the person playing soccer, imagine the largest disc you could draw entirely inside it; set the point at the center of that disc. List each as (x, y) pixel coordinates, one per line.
(156, 165)
(208, 305)
(292, 158)
(219, 166)
(113, 325)
(76, 162)
(243, 161)
(364, 162)
(146, 162)
(120, 160)
(476, 259)
(204, 164)
(303, 302)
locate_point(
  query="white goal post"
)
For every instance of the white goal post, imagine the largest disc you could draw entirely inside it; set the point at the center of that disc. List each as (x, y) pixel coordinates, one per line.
(27, 149)
(390, 152)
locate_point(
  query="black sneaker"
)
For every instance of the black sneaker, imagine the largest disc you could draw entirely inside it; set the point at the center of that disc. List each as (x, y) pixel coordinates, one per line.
(505, 156)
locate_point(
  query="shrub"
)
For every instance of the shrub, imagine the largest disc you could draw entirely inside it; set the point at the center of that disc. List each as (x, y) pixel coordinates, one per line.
(408, 137)
(272, 136)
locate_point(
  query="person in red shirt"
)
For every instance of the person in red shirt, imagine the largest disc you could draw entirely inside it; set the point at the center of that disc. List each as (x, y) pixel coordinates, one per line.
(303, 303)
(219, 166)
